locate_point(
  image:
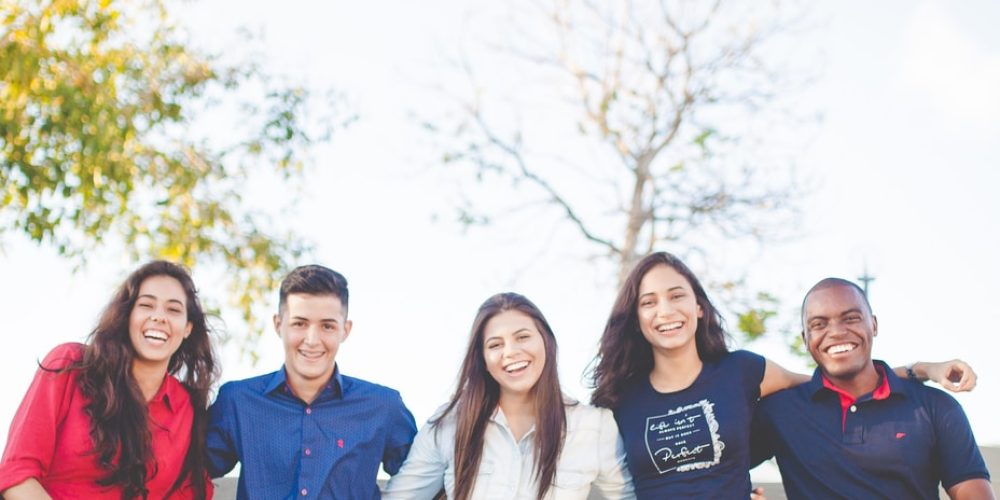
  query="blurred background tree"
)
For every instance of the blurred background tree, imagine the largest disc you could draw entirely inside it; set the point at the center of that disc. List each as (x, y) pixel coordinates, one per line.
(114, 133)
(657, 132)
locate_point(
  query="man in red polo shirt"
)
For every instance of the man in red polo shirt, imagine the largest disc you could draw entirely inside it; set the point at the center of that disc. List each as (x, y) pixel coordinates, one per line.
(856, 430)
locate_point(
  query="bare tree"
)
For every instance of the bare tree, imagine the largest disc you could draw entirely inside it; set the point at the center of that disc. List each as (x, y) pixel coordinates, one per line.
(667, 110)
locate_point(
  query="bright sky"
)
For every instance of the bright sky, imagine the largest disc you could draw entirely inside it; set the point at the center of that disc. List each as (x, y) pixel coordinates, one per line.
(905, 164)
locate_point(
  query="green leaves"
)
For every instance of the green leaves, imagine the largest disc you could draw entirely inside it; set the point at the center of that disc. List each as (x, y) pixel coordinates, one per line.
(100, 104)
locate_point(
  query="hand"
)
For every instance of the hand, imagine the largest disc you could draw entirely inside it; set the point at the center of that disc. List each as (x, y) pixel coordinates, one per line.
(955, 375)
(757, 494)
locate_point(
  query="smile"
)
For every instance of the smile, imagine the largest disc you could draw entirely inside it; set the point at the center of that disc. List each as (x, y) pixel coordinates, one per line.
(156, 336)
(312, 355)
(669, 327)
(516, 367)
(841, 348)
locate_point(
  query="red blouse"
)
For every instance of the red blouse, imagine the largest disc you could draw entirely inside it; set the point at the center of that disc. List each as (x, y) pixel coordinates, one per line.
(50, 440)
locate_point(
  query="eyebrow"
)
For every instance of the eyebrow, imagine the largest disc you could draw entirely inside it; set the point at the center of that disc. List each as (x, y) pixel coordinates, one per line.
(678, 287)
(324, 320)
(845, 313)
(519, 330)
(154, 297)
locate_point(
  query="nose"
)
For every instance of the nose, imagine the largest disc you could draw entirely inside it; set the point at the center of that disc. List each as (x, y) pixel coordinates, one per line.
(509, 349)
(664, 308)
(312, 335)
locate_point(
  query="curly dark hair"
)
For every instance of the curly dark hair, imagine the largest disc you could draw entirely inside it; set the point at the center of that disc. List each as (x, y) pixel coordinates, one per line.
(625, 355)
(117, 409)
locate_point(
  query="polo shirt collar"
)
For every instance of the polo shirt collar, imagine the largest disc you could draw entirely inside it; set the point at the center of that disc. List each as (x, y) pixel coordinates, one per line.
(889, 383)
(334, 388)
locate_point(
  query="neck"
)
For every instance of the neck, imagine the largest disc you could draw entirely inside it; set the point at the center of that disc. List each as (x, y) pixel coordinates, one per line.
(675, 369)
(148, 377)
(306, 390)
(858, 383)
(519, 409)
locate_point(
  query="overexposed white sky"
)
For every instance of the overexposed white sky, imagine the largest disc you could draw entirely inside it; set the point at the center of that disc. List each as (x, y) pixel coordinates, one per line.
(904, 165)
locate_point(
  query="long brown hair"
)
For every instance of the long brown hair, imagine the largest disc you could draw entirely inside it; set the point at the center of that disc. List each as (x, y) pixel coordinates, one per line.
(625, 355)
(119, 421)
(478, 394)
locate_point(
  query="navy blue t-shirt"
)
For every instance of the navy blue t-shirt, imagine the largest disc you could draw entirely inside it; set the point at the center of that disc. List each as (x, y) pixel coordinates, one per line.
(901, 446)
(694, 442)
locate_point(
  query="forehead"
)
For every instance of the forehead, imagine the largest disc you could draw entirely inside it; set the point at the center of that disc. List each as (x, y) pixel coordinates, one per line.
(833, 299)
(305, 305)
(162, 287)
(662, 277)
(508, 322)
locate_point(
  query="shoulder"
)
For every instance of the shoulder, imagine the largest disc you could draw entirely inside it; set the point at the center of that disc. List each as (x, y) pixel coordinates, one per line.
(235, 388)
(935, 400)
(63, 355)
(359, 388)
(744, 358)
(580, 415)
(176, 392)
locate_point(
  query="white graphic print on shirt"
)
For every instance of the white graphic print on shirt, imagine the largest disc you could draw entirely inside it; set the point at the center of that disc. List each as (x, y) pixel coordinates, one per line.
(686, 438)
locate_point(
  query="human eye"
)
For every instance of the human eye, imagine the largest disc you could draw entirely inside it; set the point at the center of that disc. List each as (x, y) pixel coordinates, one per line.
(645, 302)
(817, 325)
(330, 327)
(678, 296)
(492, 345)
(853, 318)
(298, 323)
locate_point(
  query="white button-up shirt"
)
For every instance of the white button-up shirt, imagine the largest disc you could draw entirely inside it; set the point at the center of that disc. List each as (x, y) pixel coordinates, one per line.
(592, 456)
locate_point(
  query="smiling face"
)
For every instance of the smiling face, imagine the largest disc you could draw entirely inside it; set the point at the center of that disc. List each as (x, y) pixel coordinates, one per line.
(158, 322)
(514, 352)
(838, 330)
(668, 311)
(311, 327)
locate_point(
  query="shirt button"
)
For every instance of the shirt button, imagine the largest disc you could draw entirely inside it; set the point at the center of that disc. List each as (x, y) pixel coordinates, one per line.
(304, 492)
(854, 408)
(308, 452)
(309, 411)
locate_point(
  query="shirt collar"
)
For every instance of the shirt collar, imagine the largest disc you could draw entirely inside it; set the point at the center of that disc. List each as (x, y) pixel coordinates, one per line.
(889, 383)
(170, 393)
(334, 388)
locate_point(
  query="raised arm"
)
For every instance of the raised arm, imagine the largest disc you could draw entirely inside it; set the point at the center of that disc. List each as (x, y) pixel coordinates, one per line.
(422, 474)
(613, 479)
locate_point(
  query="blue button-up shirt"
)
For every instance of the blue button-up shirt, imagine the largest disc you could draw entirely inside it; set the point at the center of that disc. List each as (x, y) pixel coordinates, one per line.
(330, 448)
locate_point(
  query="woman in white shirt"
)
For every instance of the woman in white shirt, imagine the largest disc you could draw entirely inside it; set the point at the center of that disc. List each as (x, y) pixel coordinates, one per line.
(508, 432)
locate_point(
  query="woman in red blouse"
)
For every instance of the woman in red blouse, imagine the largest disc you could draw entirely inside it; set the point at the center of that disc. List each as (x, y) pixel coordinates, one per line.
(109, 418)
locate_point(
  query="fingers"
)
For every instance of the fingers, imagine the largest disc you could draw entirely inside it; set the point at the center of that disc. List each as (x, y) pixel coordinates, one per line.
(757, 494)
(961, 377)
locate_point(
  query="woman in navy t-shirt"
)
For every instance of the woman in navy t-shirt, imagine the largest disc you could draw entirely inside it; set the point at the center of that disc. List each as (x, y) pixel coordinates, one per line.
(682, 401)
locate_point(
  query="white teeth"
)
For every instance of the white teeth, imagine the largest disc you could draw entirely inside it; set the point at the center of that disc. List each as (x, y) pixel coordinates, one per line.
(155, 335)
(311, 355)
(669, 326)
(515, 366)
(840, 348)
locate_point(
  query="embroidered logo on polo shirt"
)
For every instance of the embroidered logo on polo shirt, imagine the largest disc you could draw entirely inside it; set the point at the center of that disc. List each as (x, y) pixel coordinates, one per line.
(686, 438)
(900, 435)
(340, 443)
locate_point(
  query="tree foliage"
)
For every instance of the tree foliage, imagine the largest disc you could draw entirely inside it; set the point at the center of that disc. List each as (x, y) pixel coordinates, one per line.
(649, 130)
(113, 131)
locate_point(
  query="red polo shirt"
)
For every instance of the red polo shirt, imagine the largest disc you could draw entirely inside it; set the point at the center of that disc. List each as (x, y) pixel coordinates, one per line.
(50, 440)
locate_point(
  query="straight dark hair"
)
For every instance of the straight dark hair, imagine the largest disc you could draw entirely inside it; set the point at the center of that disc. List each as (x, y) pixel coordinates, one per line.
(478, 394)
(119, 419)
(624, 354)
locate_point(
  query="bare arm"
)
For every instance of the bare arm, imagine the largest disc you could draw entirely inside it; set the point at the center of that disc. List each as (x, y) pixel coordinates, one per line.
(29, 489)
(777, 378)
(972, 489)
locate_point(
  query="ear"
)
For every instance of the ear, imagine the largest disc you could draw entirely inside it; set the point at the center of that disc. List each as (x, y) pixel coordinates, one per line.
(347, 329)
(874, 326)
(187, 330)
(701, 313)
(277, 324)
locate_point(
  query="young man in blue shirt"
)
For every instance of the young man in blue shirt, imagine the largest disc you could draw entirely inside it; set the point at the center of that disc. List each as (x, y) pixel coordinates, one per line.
(856, 430)
(307, 430)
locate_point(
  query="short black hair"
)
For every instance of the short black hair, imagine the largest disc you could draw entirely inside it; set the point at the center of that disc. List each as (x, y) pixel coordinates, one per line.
(313, 279)
(832, 282)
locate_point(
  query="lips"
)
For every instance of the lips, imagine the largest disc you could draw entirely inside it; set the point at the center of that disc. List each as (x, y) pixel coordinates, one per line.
(836, 349)
(516, 367)
(669, 327)
(155, 336)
